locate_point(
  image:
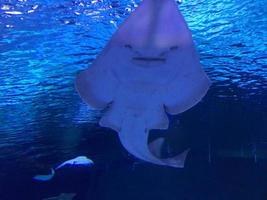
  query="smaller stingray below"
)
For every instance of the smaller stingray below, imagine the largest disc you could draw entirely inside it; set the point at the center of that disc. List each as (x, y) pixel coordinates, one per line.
(62, 196)
(78, 161)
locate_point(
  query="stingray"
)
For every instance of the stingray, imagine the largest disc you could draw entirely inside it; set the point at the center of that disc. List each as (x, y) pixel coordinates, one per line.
(148, 68)
(78, 161)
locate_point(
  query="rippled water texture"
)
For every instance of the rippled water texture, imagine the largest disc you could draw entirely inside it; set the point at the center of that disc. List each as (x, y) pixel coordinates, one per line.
(44, 43)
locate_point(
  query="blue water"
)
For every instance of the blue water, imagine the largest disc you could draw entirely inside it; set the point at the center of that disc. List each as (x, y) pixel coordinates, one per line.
(43, 45)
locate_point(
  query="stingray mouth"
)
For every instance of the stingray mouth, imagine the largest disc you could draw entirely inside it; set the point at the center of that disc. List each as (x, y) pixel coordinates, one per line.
(149, 59)
(143, 61)
(155, 57)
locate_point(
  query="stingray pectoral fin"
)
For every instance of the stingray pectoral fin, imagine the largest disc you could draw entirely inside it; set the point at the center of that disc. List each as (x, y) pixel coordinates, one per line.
(47, 177)
(96, 86)
(184, 93)
(113, 117)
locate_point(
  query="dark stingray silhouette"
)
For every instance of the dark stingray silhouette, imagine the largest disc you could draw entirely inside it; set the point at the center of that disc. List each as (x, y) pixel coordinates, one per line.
(149, 67)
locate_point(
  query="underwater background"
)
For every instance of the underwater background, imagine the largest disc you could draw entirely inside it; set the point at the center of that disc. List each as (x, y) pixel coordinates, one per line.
(43, 122)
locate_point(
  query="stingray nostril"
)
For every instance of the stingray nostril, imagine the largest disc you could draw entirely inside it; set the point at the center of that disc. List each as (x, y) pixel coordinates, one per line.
(174, 48)
(163, 53)
(128, 46)
(138, 53)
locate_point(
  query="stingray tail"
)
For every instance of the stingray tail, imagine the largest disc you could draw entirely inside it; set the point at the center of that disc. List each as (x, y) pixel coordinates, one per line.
(47, 177)
(134, 137)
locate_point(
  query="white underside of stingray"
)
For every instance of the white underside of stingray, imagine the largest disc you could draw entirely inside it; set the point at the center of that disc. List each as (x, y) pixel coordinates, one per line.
(78, 161)
(148, 68)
